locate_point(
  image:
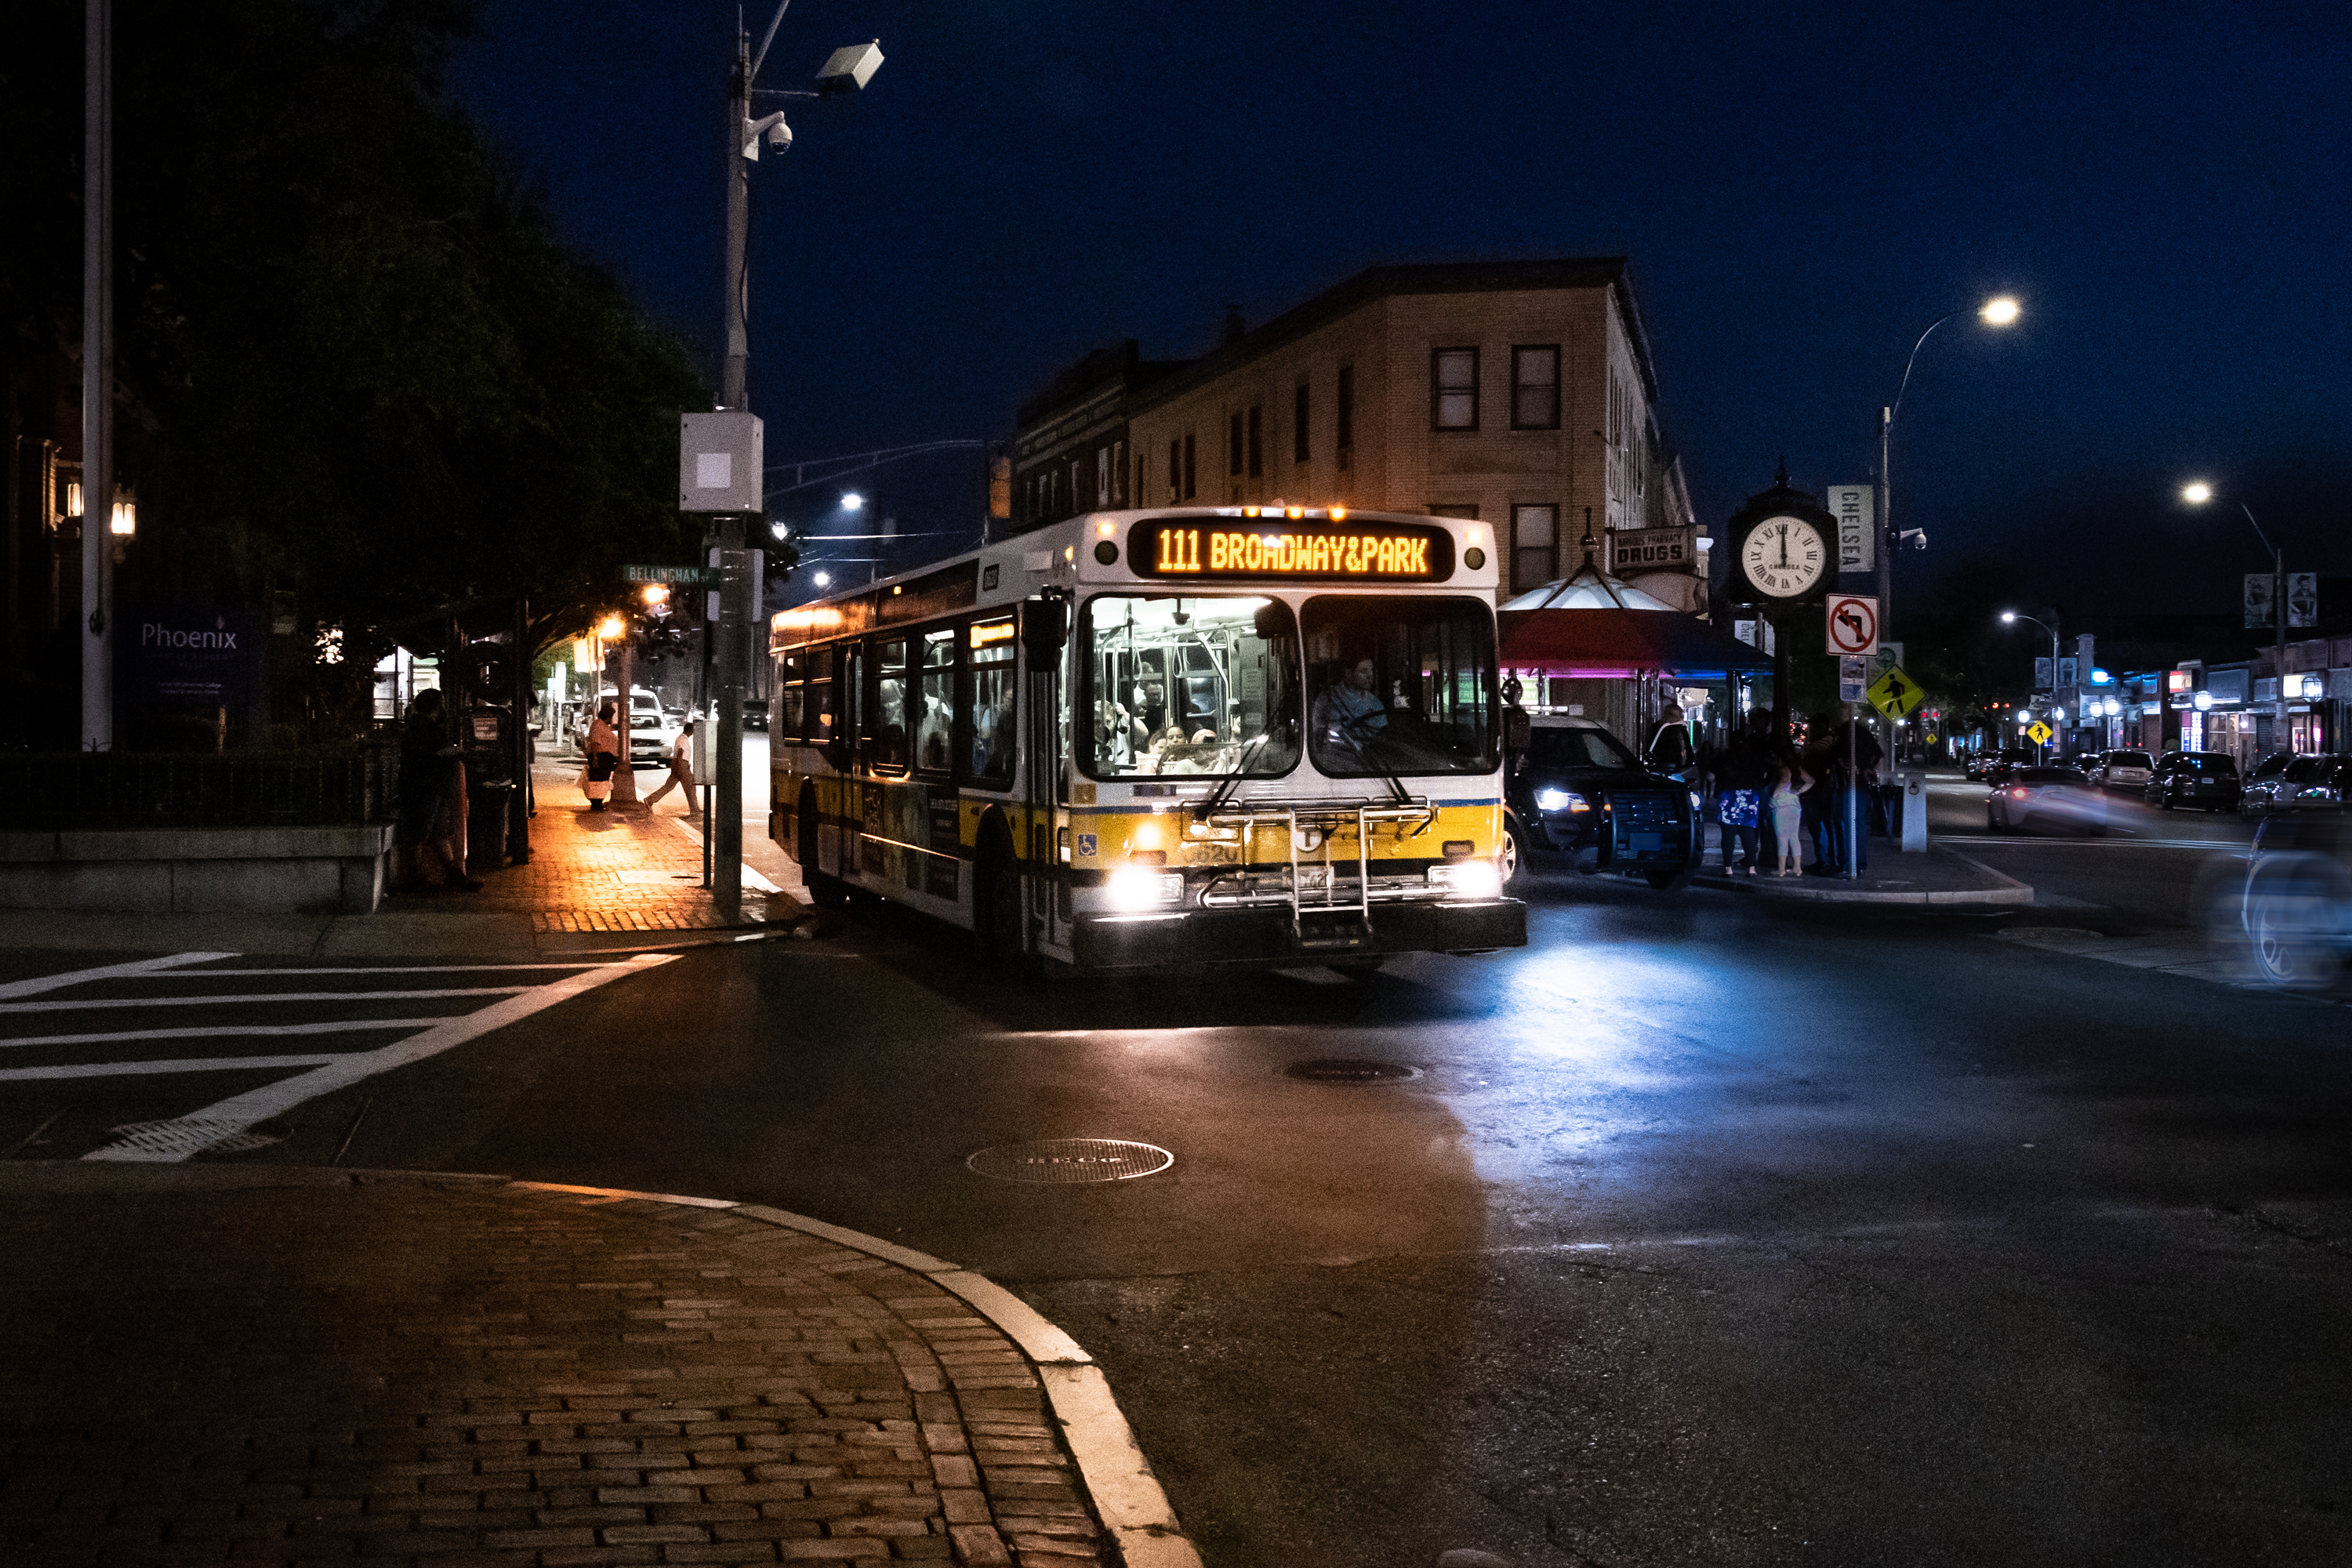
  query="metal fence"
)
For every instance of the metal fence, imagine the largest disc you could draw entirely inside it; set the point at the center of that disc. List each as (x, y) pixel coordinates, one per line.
(94, 790)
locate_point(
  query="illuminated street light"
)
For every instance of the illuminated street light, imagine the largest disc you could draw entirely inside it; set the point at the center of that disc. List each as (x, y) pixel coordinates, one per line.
(610, 628)
(1998, 312)
(852, 501)
(2197, 492)
(655, 593)
(821, 579)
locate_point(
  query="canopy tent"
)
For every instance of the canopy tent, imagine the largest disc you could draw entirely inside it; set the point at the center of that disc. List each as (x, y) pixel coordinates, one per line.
(1595, 625)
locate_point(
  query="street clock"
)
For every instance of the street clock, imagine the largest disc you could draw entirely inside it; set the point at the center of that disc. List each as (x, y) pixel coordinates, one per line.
(1783, 547)
(1783, 557)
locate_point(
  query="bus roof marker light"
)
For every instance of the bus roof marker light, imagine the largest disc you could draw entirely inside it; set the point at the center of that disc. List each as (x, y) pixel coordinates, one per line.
(1477, 535)
(1106, 529)
(1339, 514)
(1296, 512)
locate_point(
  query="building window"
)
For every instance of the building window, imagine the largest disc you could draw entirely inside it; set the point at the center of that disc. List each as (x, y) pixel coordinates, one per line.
(1466, 510)
(1191, 487)
(1233, 444)
(1257, 440)
(1453, 389)
(1534, 533)
(1345, 413)
(1535, 388)
(1102, 479)
(1175, 469)
(1078, 483)
(1299, 424)
(1119, 473)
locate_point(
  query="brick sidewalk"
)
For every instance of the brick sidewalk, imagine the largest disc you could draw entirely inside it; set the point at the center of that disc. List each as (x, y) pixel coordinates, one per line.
(460, 1370)
(622, 870)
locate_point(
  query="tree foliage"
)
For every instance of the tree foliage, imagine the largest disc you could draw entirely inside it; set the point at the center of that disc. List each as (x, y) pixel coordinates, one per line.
(359, 362)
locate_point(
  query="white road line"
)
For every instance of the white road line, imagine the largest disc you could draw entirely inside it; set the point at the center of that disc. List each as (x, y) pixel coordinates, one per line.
(240, 1111)
(343, 1026)
(104, 1001)
(752, 877)
(1990, 841)
(169, 1064)
(141, 970)
(375, 969)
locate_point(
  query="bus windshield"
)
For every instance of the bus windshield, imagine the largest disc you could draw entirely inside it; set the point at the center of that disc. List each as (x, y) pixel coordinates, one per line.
(1400, 686)
(1199, 685)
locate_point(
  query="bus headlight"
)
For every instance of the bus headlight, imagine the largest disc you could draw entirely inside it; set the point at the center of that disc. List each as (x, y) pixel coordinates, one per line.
(1142, 888)
(1468, 878)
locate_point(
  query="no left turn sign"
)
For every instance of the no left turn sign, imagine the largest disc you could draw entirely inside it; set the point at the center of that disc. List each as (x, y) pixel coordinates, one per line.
(1853, 624)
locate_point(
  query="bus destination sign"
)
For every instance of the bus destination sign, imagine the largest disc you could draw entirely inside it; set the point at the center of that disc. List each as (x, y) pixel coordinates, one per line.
(1197, 548)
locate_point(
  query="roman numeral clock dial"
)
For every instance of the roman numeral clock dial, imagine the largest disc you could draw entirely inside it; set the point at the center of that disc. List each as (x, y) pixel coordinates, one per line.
(1784, 557)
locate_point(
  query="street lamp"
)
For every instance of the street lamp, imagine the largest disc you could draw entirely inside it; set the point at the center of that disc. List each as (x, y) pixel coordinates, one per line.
(2197, 493)
(2010, 618)
(1998, 312)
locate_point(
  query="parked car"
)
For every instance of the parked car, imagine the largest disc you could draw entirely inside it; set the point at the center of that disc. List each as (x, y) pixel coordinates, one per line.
(2281, 778)
(2057, 798)
(2295, 908)
(1578, 793)
(2123, 770)
(2204, 779)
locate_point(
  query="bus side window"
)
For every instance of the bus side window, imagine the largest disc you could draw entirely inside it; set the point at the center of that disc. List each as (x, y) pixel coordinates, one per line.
(988, 717)
(935, 720)
(784, 724)
(887, 726)
(822, 726)
(857, 707)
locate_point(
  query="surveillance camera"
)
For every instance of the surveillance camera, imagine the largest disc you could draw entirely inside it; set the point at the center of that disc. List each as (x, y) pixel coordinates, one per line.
(779, 136)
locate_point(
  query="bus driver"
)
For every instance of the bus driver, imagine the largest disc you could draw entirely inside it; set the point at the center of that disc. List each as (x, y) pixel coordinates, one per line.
(1352, 706)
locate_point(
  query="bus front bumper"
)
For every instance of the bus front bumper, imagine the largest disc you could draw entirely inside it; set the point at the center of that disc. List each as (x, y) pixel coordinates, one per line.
(1268, 937)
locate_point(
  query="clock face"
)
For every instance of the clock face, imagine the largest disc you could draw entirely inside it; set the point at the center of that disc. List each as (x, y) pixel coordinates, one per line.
(1784, 557)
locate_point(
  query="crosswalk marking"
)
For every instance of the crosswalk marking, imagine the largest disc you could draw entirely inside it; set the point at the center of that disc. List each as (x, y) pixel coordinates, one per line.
(187, 1064)
(241, 1031)
(142, 969)
(104, 1003)
(241, 1112)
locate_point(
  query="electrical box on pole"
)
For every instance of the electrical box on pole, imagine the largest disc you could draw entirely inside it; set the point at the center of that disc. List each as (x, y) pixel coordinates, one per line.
(719, 462)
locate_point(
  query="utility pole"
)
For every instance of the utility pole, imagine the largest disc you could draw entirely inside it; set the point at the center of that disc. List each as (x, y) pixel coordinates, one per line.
(98, 378)
(724, 828)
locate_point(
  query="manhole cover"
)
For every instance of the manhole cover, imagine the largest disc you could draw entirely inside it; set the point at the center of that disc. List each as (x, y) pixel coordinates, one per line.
(186, 1135)
(1066, 1160)
(1342, 1069)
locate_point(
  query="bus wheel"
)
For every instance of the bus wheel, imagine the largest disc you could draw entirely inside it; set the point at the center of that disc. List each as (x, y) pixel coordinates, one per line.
(1514, 852)
(997, 899)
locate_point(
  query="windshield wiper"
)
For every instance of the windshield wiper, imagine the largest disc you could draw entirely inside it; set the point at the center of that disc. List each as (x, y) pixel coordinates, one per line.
(1213, 801)
(1363, 750)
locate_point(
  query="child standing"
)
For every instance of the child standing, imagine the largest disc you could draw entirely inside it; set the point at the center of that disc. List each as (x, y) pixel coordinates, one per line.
(1788, 804)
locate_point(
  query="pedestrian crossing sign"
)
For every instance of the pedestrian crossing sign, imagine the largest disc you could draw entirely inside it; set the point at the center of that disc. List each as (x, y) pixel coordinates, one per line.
(1896, 694)
(2039, 732)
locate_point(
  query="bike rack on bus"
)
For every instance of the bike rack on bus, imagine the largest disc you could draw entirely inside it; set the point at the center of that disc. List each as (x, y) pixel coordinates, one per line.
(1324, 819)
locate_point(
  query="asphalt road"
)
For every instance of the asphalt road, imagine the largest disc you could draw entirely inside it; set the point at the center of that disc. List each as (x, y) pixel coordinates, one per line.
(1704, 1234)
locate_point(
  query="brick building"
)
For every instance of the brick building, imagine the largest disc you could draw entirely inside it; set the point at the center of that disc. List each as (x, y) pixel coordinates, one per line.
(1519, 393)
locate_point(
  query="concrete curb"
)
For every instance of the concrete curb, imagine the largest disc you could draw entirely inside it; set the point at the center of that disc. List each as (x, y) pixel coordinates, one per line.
(1119, 1479)
(2005, 890)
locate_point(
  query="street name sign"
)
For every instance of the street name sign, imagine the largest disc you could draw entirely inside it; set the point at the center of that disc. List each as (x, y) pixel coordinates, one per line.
(1853, 624)
(1855, 507)
(677, 576)
(1896, 694)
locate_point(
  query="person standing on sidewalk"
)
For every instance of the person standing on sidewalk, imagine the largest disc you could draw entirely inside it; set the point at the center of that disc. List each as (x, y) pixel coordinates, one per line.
(603, 748)
(432, 786)
(1790, 788)
(1739, 777)
(680, 762)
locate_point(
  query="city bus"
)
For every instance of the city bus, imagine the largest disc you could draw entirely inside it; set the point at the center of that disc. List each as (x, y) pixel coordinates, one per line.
(1140, 740)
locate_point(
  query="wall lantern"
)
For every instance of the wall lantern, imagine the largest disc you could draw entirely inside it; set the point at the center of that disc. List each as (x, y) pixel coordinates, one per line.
(124, 523)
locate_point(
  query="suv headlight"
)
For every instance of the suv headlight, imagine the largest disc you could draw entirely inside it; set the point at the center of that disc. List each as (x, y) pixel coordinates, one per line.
(1560, 800)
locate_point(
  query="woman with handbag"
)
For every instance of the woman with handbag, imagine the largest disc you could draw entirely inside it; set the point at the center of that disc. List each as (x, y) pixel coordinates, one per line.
(603, 757)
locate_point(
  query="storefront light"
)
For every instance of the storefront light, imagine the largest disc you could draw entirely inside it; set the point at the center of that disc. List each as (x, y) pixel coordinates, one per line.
(2203, 702)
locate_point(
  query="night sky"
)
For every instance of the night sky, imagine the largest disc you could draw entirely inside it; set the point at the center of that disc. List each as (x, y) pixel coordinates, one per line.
(1801, 190)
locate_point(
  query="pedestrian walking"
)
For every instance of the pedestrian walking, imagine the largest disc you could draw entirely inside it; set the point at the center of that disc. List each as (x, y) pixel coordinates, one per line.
(1789, 787)
(603, 757)
(432, 796)
(680, 762)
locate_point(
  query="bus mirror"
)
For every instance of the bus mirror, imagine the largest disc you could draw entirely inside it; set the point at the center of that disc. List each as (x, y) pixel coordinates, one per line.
(1271, 621)
(1045, 627)
(1516, 729)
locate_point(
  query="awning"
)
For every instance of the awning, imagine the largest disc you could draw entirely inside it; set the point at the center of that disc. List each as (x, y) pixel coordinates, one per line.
(1614, 642)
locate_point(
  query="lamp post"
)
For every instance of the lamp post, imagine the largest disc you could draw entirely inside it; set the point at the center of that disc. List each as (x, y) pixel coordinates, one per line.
(847, 70)
(2010, 618)
(2197, 494)
(98, 377)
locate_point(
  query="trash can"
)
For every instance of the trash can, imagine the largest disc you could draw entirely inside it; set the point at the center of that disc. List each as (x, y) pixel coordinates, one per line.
(486, 824)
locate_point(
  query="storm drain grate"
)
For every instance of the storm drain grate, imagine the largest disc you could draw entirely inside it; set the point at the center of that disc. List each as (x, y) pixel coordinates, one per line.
(1060, 1161)
(1343, 1069)
(186, 1135)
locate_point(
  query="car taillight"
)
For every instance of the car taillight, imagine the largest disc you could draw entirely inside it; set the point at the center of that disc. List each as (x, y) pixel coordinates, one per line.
(2020, 793)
